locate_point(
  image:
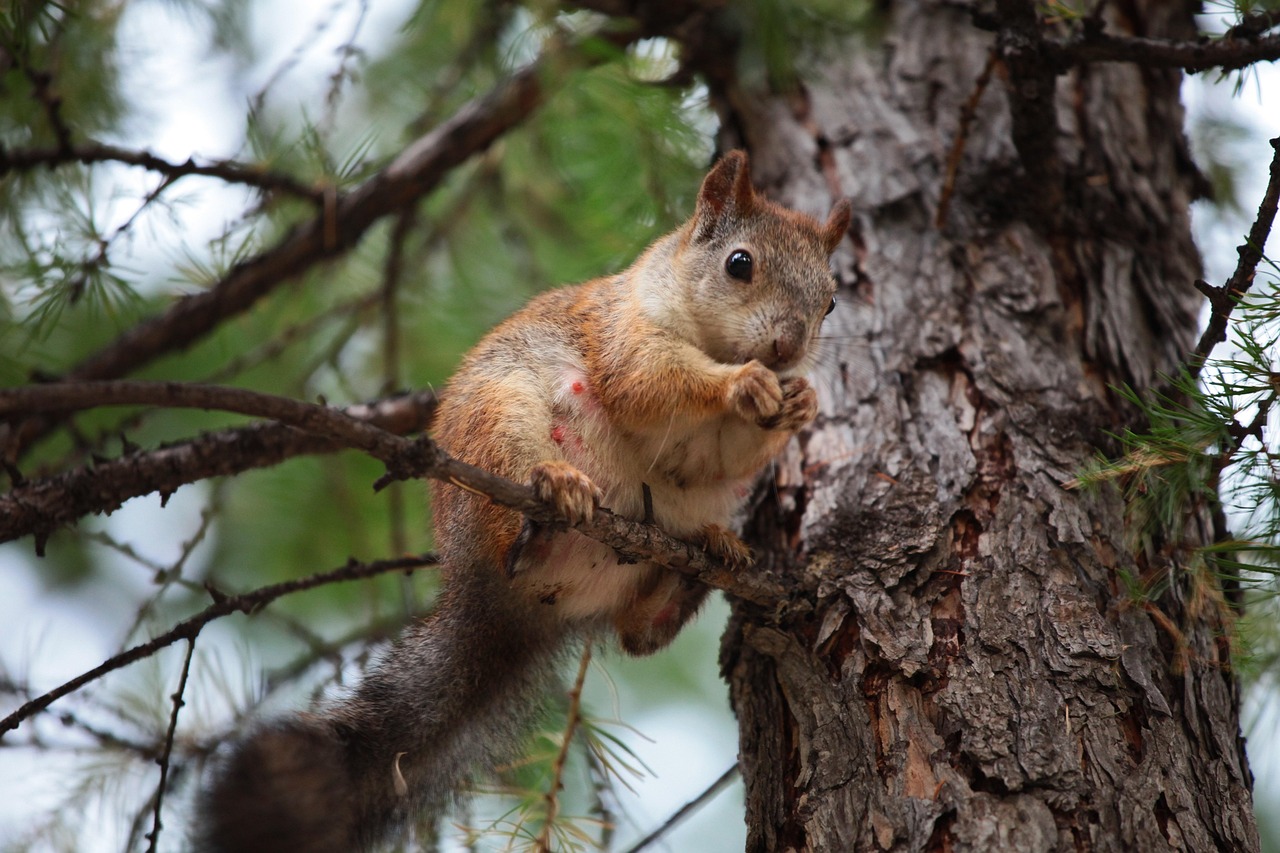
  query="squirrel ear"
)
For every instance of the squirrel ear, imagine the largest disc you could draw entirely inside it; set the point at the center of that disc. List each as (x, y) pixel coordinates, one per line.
(727, 187)
(837, 224)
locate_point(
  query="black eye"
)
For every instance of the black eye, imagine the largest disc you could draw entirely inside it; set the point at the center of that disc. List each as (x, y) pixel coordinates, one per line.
(832, 306)
(738, 265)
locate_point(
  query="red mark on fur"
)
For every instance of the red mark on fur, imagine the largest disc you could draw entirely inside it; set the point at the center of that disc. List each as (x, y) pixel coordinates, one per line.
(577, 387)
(557, 433)
(666, 614)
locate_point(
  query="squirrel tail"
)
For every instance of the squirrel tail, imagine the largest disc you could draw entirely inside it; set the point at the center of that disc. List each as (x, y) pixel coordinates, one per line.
(453, 695)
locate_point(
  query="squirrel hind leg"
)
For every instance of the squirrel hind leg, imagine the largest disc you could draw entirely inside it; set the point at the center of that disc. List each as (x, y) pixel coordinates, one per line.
(654, 620)
(284, 788)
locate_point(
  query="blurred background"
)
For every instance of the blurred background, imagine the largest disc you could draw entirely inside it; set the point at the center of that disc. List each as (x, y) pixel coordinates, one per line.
(326, 92)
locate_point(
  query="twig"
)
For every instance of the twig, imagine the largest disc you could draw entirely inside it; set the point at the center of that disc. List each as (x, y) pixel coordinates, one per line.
(153, 836)
(417, 171)
(42, 88)
(574, 717)
(968, 112)
(41, 506)
(687, 809)
(1093, 45)
(90, 153)
(223, 605)
(405, 459)
(392, 273)
(1222, 300)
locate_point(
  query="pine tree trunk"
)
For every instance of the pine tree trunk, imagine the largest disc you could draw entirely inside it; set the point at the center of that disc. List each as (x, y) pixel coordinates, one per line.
(963, 668)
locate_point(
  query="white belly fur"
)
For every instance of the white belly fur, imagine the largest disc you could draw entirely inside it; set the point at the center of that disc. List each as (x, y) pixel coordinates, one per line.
(695, 473)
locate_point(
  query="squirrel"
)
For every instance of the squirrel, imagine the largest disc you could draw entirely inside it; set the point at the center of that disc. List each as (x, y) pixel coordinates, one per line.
(682, 376)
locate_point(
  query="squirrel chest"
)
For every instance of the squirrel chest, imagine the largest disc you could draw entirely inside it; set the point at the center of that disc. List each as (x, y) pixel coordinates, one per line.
(681, 377)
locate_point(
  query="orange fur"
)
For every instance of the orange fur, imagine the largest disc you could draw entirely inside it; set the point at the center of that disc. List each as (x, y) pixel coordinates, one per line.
(672, 375)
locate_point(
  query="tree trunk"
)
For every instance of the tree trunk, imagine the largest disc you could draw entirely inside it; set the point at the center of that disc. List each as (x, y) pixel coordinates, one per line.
(964, 668)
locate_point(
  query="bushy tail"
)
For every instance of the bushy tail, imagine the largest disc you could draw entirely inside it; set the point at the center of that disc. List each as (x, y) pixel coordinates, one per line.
(454, 694)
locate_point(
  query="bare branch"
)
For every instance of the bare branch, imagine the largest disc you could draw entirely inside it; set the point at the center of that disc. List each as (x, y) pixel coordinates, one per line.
(153, 837)
(417, 171)
(687, 809)
(223, 605)
(1223, 299)
(572, 718)
(89, 153)
(405, 459)
(41, 506)
(968, 112)
(1093, 45)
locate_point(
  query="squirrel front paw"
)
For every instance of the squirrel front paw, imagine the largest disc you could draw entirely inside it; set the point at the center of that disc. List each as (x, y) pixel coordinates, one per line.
(755, 393)
(723, 544)
(566, 488)
(799, 406)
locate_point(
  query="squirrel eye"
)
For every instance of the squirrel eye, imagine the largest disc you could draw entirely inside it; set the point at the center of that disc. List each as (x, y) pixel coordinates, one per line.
(738, 265)
(831, 307)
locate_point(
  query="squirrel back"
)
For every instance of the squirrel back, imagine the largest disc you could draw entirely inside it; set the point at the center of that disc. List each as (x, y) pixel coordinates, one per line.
(664, 389)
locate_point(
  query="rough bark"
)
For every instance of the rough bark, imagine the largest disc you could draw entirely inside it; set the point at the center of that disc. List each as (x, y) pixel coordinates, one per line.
(963, 669)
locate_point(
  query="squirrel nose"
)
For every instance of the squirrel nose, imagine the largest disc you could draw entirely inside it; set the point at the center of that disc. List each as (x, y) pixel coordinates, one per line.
(788, 343)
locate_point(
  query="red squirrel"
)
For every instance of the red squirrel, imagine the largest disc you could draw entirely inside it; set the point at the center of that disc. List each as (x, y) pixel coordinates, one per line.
(682, 375)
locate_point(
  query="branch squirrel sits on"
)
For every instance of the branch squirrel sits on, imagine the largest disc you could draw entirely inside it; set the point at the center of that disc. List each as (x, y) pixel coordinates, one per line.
(683, 374)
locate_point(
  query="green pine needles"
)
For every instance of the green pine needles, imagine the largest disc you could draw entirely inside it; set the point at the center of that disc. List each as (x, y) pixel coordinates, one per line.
(1208, 462)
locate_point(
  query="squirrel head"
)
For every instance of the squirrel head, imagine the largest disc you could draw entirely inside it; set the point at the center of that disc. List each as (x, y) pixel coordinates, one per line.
(752, 274)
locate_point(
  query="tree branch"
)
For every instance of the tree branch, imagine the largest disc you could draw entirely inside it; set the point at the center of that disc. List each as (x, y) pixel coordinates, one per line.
(417, 171)
(1222, 300)
(405, 459)
(89, 153)
(551, 798)
(1228, 54)
(41, 506)
(687, 809)
(223, 605)
(153, 837)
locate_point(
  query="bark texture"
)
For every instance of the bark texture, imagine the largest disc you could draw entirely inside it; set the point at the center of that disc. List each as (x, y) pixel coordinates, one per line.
(963, 669)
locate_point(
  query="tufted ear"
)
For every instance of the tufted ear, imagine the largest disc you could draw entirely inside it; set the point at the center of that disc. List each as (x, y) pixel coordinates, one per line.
(726, 191)
(837, 224)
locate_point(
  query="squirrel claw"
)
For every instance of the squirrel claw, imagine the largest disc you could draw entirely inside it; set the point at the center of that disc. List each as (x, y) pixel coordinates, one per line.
(566, 488)
(799, 406)
(755, 393)
(723, 544)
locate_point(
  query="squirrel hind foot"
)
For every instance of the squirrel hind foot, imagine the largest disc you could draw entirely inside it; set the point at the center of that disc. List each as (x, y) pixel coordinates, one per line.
(723, 544)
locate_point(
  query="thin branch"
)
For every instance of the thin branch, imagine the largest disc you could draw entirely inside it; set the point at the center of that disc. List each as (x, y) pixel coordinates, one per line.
(392, 274)
(90, 153)
(687, 809)
(304, 330)
(153, 837)
(968, 112)
(573, 718)
(41, 506)
(1222, 300)
(223, 605)
(417, 171)
(1241, 46)
(1254, 24)
(42, 87)
(405, 459)
(1091, 44)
